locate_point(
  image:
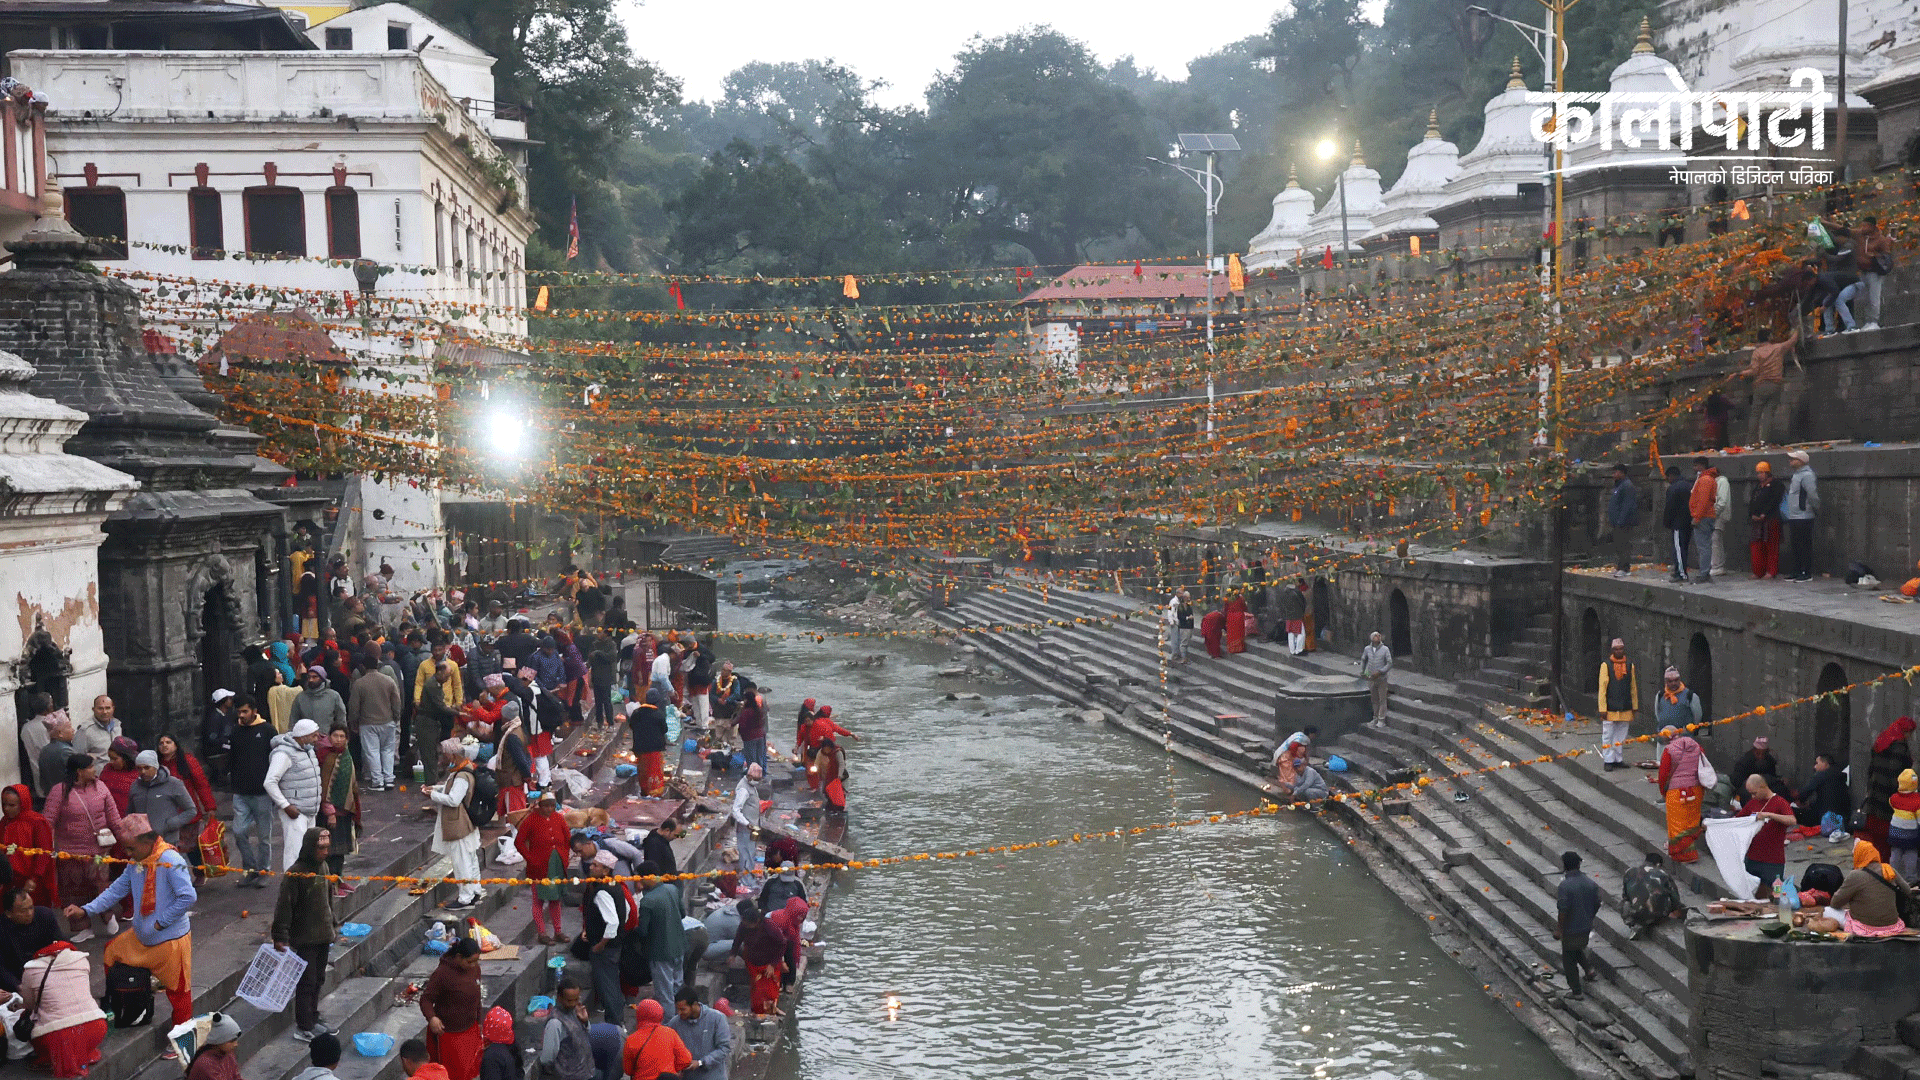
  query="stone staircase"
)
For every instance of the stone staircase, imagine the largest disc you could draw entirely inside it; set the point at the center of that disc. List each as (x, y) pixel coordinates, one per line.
(1491, 861)
(365, 977)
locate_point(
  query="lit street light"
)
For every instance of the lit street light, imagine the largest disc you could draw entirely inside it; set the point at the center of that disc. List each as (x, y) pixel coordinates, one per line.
(1212, 187)
(1325, 149)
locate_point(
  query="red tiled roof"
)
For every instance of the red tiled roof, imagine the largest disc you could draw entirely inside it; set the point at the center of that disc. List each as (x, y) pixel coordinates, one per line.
(1154, 282)
(268, 337)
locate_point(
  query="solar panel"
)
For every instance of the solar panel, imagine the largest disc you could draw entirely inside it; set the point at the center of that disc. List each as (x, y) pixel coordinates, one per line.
(1206, 143)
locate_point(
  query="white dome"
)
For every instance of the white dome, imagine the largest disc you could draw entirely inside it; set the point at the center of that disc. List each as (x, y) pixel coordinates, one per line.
(1361, 187)
(1431, 163)
(1643, 72)
(1280, 240)
(1507, 154)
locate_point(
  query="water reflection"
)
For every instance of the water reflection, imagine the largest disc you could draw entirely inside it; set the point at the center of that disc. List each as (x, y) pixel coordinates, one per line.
(1199, 952)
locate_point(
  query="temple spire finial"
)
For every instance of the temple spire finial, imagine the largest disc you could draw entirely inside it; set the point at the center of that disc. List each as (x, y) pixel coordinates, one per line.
(1644, 46)
(1433, 123)
(1293, 178)
(1514, 81)
(1359, 159)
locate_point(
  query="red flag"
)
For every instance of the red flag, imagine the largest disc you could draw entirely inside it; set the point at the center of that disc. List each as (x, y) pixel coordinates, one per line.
(573, 230)
(1326, 261)
(1548, 234)
(1136, 269)
(673, 290)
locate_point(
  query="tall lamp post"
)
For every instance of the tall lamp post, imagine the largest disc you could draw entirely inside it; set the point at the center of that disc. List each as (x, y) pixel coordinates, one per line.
(1325, 150)
(1212, 186)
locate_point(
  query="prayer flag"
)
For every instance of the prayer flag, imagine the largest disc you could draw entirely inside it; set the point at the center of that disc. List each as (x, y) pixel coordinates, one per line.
(1739, 212)
(1236, 274)
(1326, 261)
(850, 288)
(1413, 246)
(540, 299)
(573, 230)
(679, 299)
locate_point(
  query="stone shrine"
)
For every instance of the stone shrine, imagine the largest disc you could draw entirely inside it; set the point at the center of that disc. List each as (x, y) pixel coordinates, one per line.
(188, 562)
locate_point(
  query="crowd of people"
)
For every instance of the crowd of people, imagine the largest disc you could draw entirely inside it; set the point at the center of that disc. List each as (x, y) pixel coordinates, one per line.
(474, 698)
(1247, 608)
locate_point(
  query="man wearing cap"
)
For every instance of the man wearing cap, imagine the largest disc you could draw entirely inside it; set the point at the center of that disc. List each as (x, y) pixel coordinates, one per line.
(216, 730)
(1798, 508)
(1759, 759)
(607, 909)
(1619, 701)
(457, 837)
(318, 701)
(293, 783)
(159, 884)
(160, 796)
(373, 706)
(746, 815)
(1763, 522)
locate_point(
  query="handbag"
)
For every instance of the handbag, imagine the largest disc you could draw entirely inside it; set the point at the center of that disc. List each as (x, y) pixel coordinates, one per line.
(1708, 778)
(1882, 263)
(23, 1027)
(213, 848)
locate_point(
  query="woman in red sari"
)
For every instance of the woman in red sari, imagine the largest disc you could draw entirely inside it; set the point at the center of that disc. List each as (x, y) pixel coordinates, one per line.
(1237, 624)
(22, 826)
(1212, 625)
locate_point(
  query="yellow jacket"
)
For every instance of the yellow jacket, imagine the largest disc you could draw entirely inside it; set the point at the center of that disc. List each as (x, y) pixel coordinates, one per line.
(456, 692)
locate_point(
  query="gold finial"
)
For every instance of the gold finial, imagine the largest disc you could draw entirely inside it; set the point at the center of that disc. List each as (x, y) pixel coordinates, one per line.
(1644, 46)
(1433, 123)
(1293, 178)
(1359, 160)
(1514, 81)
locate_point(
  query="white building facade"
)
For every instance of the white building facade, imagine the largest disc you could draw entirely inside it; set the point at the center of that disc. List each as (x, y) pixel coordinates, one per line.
(321, 174)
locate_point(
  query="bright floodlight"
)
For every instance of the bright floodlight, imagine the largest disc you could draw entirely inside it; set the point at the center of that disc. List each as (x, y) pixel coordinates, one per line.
(506, 434)
(1325, 149)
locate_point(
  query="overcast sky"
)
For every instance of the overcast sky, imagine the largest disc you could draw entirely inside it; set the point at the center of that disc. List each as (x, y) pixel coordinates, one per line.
(905, 44)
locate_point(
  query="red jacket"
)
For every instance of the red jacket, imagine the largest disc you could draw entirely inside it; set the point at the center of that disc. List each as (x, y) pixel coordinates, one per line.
(1705, 490)
(538, 837)
(821, 729)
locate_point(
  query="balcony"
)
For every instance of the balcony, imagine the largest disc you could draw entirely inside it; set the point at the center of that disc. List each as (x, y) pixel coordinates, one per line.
(24, 152)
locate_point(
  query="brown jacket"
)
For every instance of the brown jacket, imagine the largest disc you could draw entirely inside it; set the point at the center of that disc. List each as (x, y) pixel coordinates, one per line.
(454, 822)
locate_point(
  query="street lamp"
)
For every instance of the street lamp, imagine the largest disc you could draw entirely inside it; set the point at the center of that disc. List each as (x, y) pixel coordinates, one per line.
(1212, 186)
(1324, 150)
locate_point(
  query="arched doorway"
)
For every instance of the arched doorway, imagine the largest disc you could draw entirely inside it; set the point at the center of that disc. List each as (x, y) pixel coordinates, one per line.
(1399, 625)
(219, 642)
(1700, 674)
(1832, 716)
(1593, 651)
(1322, 609)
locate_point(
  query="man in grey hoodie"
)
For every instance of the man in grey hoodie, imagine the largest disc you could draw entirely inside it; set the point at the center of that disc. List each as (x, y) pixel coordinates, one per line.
(161, 796)
(318, 701)
(324, 1052)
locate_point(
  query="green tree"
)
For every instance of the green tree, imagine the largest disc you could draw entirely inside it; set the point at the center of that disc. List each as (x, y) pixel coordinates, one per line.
(1028, 144)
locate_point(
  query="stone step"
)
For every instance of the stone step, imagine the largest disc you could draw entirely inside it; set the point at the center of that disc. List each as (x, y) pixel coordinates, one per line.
(1896, 1062)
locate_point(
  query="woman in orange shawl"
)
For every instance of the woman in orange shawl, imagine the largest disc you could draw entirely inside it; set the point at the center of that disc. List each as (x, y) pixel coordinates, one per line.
(23, 827)
(1237, 624)
(654, 1049)
(1679, 780)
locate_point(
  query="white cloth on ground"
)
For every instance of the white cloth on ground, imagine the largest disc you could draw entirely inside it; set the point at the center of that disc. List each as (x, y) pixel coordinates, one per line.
(1728, 840)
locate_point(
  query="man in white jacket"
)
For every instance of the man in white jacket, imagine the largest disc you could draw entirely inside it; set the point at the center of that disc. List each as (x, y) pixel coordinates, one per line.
(293, 783)
(746, 816)
(1723, 516)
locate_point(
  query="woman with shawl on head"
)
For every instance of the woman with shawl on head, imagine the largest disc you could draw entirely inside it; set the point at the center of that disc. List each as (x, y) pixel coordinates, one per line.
(1679, 781)
(654, 1049)
(21, 827)
(1891, 757)
(501, 1059)
(1870, 895)
(280, 654)
(339, 802)
(68, 1026)
(788, 920)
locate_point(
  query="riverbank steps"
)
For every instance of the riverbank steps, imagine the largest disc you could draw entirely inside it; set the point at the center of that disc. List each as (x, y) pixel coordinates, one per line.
(1479, 853)
(366, 977)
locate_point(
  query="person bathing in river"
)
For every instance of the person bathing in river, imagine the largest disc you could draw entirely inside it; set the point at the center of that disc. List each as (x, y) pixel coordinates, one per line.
(819, 731)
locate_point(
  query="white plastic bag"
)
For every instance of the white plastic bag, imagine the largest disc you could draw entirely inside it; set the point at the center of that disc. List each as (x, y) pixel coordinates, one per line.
(1728, 839)
(508, 855)
(10, 1014)
(576, 782)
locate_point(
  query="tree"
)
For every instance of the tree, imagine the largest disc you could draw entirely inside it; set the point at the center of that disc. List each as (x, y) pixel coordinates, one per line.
(586, 95)
(1027, 143)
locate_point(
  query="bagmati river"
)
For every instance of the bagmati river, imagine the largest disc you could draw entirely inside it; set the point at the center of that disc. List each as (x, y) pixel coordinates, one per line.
(1259, 948)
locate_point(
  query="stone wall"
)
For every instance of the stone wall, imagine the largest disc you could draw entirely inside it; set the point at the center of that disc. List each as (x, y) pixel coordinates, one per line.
(1461, 610)
(1740, 655)
(1764, 1008)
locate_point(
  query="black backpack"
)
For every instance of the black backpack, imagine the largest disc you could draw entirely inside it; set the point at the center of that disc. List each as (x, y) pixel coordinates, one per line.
(129, 995)
(485, 800)
(1825, 877)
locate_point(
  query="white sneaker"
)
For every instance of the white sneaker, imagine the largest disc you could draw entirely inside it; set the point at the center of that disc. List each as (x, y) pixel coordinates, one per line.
(1870, 326)
(82, 937)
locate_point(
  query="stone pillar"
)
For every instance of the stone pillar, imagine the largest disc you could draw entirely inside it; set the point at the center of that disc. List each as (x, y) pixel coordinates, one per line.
(1789, 1008)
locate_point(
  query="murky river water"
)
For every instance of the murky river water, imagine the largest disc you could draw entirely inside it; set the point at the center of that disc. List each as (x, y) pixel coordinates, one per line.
(1253, 949)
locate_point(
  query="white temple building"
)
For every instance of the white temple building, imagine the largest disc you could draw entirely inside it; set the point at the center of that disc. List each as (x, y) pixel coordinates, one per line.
(1353, 196)
(1279, 243)
(1431, 165)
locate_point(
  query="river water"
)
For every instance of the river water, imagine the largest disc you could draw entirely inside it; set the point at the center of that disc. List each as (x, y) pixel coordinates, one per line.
(1260, 948)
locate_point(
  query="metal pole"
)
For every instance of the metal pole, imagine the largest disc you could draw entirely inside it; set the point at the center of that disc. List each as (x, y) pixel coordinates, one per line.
(1210, 206)
(1559, 220)
(1558, 541)
(1346, 255)
(1840, 138)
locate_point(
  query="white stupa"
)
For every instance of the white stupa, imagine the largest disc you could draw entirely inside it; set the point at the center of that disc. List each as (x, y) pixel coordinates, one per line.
(1431, 163)
(1279, 242)
(1507, 154)
(1643, 72)
(1362, 195)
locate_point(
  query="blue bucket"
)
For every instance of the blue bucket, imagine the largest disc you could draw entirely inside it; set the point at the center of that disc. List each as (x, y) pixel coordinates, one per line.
(373, 1044)
(691, 746)
(1336, 763)
(355, 929)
